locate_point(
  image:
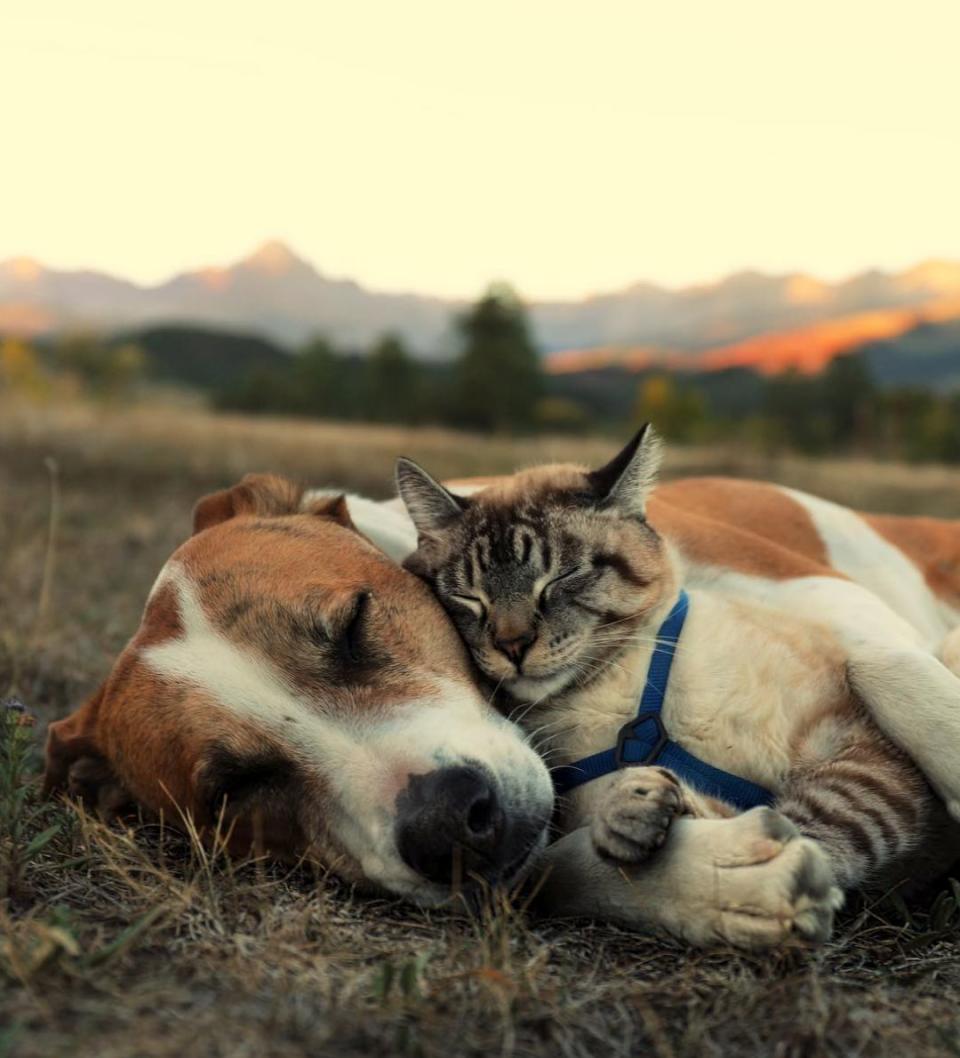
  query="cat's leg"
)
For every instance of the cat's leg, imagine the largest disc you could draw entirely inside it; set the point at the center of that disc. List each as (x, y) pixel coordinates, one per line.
(915, 700)
(637, 808)
(867, 808)
(750, 880)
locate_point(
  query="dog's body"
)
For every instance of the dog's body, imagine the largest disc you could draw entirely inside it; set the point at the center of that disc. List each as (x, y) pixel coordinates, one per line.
(780, 654)
(225, 693)
(881, 593)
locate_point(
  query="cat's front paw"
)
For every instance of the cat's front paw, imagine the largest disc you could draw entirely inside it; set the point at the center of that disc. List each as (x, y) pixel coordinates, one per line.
(635, 813)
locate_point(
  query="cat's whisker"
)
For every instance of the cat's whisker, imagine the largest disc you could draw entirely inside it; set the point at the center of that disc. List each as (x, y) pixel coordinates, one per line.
(495, 691)
(620, 620)
(525, 711)
(538, 731)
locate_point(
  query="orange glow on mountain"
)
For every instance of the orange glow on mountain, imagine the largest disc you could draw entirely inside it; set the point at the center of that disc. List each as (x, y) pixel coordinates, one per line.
(24, 269)
(805, 349)
(940, 278)
(215, 278)
(805, 290)
(810, 349)
(573, 361)
(25, 321)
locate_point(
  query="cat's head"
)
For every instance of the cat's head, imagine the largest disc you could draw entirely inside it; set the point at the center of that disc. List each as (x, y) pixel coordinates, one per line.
(547, 573)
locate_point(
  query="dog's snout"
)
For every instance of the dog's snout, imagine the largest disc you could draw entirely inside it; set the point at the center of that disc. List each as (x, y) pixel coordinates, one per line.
(449, 818)
(451, 825)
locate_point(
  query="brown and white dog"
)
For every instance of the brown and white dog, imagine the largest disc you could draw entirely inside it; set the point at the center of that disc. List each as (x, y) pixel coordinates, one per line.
(288, 669)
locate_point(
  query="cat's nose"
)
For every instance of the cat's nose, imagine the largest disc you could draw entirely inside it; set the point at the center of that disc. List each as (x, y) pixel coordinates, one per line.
(516, 647)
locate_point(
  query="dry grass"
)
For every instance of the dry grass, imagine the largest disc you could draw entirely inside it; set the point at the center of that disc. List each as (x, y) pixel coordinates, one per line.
(142, 943)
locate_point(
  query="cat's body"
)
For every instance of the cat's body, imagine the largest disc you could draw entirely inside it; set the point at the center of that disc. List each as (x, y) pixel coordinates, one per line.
(782, 667)
(781, 714)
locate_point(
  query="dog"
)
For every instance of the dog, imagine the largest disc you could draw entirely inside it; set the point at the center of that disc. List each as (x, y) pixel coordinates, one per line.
(886, 589)
(292, 682)
(289, 674)
(571, 588)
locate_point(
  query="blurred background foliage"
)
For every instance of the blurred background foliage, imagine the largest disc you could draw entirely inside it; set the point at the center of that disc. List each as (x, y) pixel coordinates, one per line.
(496, 383)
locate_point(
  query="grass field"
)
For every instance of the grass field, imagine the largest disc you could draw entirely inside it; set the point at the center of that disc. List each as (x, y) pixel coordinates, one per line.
(117, 943)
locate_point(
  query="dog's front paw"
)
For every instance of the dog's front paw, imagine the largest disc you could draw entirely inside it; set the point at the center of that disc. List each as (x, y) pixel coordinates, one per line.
(634, 816)
(768, 883)
(752, 881)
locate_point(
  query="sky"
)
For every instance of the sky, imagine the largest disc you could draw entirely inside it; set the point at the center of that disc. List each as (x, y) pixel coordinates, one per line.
(435, 145)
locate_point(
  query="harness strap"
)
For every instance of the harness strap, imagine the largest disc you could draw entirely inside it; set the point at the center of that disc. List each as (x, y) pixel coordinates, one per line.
(644, 740)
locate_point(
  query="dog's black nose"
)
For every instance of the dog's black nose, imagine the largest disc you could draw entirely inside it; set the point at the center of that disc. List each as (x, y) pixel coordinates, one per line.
(451, 826)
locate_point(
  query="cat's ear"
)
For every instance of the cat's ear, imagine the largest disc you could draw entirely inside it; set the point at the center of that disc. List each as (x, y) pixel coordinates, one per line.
(431, 507)
(626, 481)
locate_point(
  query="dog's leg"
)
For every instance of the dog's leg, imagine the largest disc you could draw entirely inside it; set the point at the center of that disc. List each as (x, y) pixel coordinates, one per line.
(949, 651)
(915, 701)
(912, 696)
(751, 881)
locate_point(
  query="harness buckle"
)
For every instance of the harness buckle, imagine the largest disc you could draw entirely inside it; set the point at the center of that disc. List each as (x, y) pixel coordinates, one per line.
(629, 733)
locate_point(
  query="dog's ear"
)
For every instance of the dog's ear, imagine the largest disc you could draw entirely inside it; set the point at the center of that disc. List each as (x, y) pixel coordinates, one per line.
(265, 495)
(333, 507)
(213, 509)
(76, 763)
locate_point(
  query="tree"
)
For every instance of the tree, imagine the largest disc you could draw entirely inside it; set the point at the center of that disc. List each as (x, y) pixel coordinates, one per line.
(847, 395)
(107, 371)
(679, 412)
(561, 415)
(259, 390)
(317, 381)
(20, 370)
(793, 407)
(499, 375)
(392, 383)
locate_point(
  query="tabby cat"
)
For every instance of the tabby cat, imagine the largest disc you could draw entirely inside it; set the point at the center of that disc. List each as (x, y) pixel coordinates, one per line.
(557, 582)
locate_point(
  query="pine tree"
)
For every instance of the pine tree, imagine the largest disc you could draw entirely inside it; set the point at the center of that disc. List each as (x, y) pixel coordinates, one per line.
(499, 375)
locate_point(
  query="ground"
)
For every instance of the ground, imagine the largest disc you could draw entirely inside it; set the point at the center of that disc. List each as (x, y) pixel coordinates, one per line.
(141, 943)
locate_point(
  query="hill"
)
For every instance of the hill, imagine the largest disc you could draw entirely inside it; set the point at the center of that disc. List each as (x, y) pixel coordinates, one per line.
(927, 356)
(202, 358)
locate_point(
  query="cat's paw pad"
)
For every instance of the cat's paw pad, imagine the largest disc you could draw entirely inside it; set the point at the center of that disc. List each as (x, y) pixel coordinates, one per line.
(635, 814)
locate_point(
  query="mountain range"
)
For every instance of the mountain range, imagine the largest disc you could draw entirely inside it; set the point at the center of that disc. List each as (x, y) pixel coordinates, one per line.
(272, 292)
(276, 293)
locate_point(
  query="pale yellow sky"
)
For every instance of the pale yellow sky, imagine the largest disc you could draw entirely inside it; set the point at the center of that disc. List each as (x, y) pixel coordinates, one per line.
(434, 144)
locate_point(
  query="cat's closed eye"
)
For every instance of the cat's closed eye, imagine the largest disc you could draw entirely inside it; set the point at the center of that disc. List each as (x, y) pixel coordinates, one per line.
(569, 577)
(470, 602)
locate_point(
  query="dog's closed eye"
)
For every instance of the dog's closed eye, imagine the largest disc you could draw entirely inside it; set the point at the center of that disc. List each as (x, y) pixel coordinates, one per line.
(353, 628)
(343, 630)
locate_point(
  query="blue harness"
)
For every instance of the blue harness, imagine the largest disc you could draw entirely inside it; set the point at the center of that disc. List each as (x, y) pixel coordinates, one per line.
(644, 739)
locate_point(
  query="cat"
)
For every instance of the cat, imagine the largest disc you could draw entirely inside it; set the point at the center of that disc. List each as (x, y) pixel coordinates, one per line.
(557, 581)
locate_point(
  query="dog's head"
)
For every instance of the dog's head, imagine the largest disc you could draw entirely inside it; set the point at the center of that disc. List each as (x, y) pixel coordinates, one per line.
(291, 679)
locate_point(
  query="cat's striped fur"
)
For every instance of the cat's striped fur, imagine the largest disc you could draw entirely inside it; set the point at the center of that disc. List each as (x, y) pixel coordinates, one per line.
(557, 579)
